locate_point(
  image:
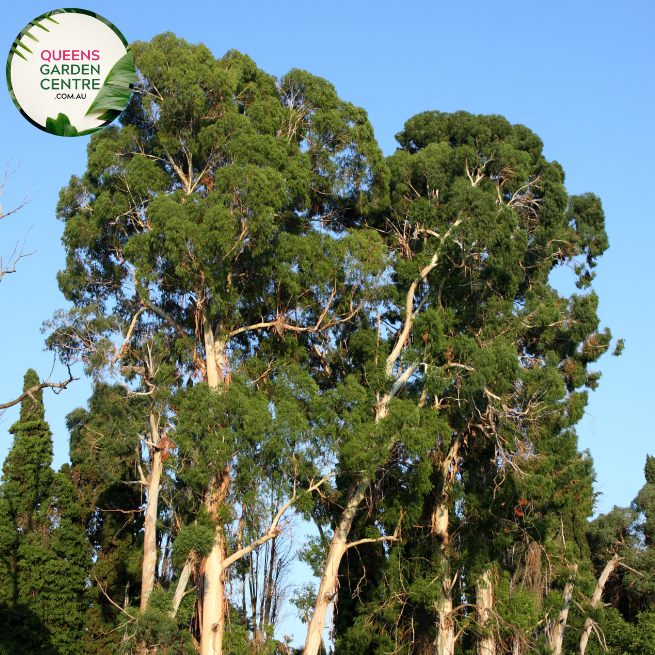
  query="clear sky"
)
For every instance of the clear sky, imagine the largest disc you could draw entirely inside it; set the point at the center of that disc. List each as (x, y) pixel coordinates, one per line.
(578, 73)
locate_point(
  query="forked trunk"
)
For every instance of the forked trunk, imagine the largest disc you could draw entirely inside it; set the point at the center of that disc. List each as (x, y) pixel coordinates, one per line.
(150, 532)
(595, 600)
(338, 546)
(485, 598)
(328, 587)
(557, 628)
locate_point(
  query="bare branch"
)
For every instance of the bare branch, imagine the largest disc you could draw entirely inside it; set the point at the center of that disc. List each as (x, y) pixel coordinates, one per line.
(29, 393)
(273, 530)
(132, 618)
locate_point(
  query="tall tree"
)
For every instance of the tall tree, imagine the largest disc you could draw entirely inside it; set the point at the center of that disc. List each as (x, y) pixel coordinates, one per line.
(221, 221)
(477, 219)
(43, 552)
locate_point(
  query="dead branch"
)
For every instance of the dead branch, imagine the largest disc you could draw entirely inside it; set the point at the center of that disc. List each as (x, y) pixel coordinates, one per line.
(29, 393)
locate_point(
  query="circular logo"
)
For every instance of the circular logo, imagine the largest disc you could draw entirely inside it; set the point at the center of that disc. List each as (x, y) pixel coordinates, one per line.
(70, 72)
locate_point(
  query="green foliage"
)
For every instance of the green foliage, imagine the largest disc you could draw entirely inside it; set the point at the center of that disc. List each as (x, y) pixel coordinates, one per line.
(477, 220)
(269, 278)
(199, 538)
(61, 126)
(304, 599)
(44, 554)
(103, 442)
(649, 469)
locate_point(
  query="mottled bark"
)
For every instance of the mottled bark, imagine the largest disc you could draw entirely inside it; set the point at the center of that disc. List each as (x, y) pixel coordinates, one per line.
(445, 644)
(485, 603)
(213, 611)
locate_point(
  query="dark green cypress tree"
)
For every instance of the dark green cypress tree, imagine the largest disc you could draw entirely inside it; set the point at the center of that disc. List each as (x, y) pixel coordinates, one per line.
(24, 526)
(43, 555)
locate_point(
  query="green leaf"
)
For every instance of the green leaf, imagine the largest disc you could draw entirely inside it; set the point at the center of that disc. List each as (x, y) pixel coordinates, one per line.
(61, 126)
(18, 43)
(123, 70)
(115, 92)
(17, 53)
(109, 115)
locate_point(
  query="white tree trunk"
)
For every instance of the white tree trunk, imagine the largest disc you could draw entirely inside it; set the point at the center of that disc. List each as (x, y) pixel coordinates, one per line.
(211, 636)
(446, 624)
(338, 546)
(212, 601)
(182, 583)
(557, 628)
(516, 645)
(595, 600)
(328, 587)
(150, 524)
(485, 598)
(445, 644)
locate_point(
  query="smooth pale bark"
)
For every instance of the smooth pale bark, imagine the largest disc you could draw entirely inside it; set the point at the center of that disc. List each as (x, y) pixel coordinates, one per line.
(211, 636)
(595, 600)
(445, 644)
(328, 586)
(338, 546)
(485, 603)
(212, 604)
(212, 598)
(557, 628)
(182, 583)
(150, 523)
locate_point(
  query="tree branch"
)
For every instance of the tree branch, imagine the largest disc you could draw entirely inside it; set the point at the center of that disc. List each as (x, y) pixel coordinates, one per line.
(273, 530)
(29, 393)
(130, 331)
(167, 317)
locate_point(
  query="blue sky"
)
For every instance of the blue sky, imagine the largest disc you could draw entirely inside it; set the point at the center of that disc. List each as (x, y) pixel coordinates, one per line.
(579, 74)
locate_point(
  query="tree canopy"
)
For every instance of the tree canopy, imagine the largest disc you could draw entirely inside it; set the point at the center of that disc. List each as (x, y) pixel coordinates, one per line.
(284, 327)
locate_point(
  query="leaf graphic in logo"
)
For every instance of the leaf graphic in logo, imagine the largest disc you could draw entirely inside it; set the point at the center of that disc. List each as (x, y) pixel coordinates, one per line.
(25, 32)
(61, 126)
(117, 88)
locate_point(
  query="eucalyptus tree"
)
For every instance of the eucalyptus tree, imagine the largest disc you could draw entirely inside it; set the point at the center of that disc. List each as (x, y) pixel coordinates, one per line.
(478, 340)
(214, 235)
